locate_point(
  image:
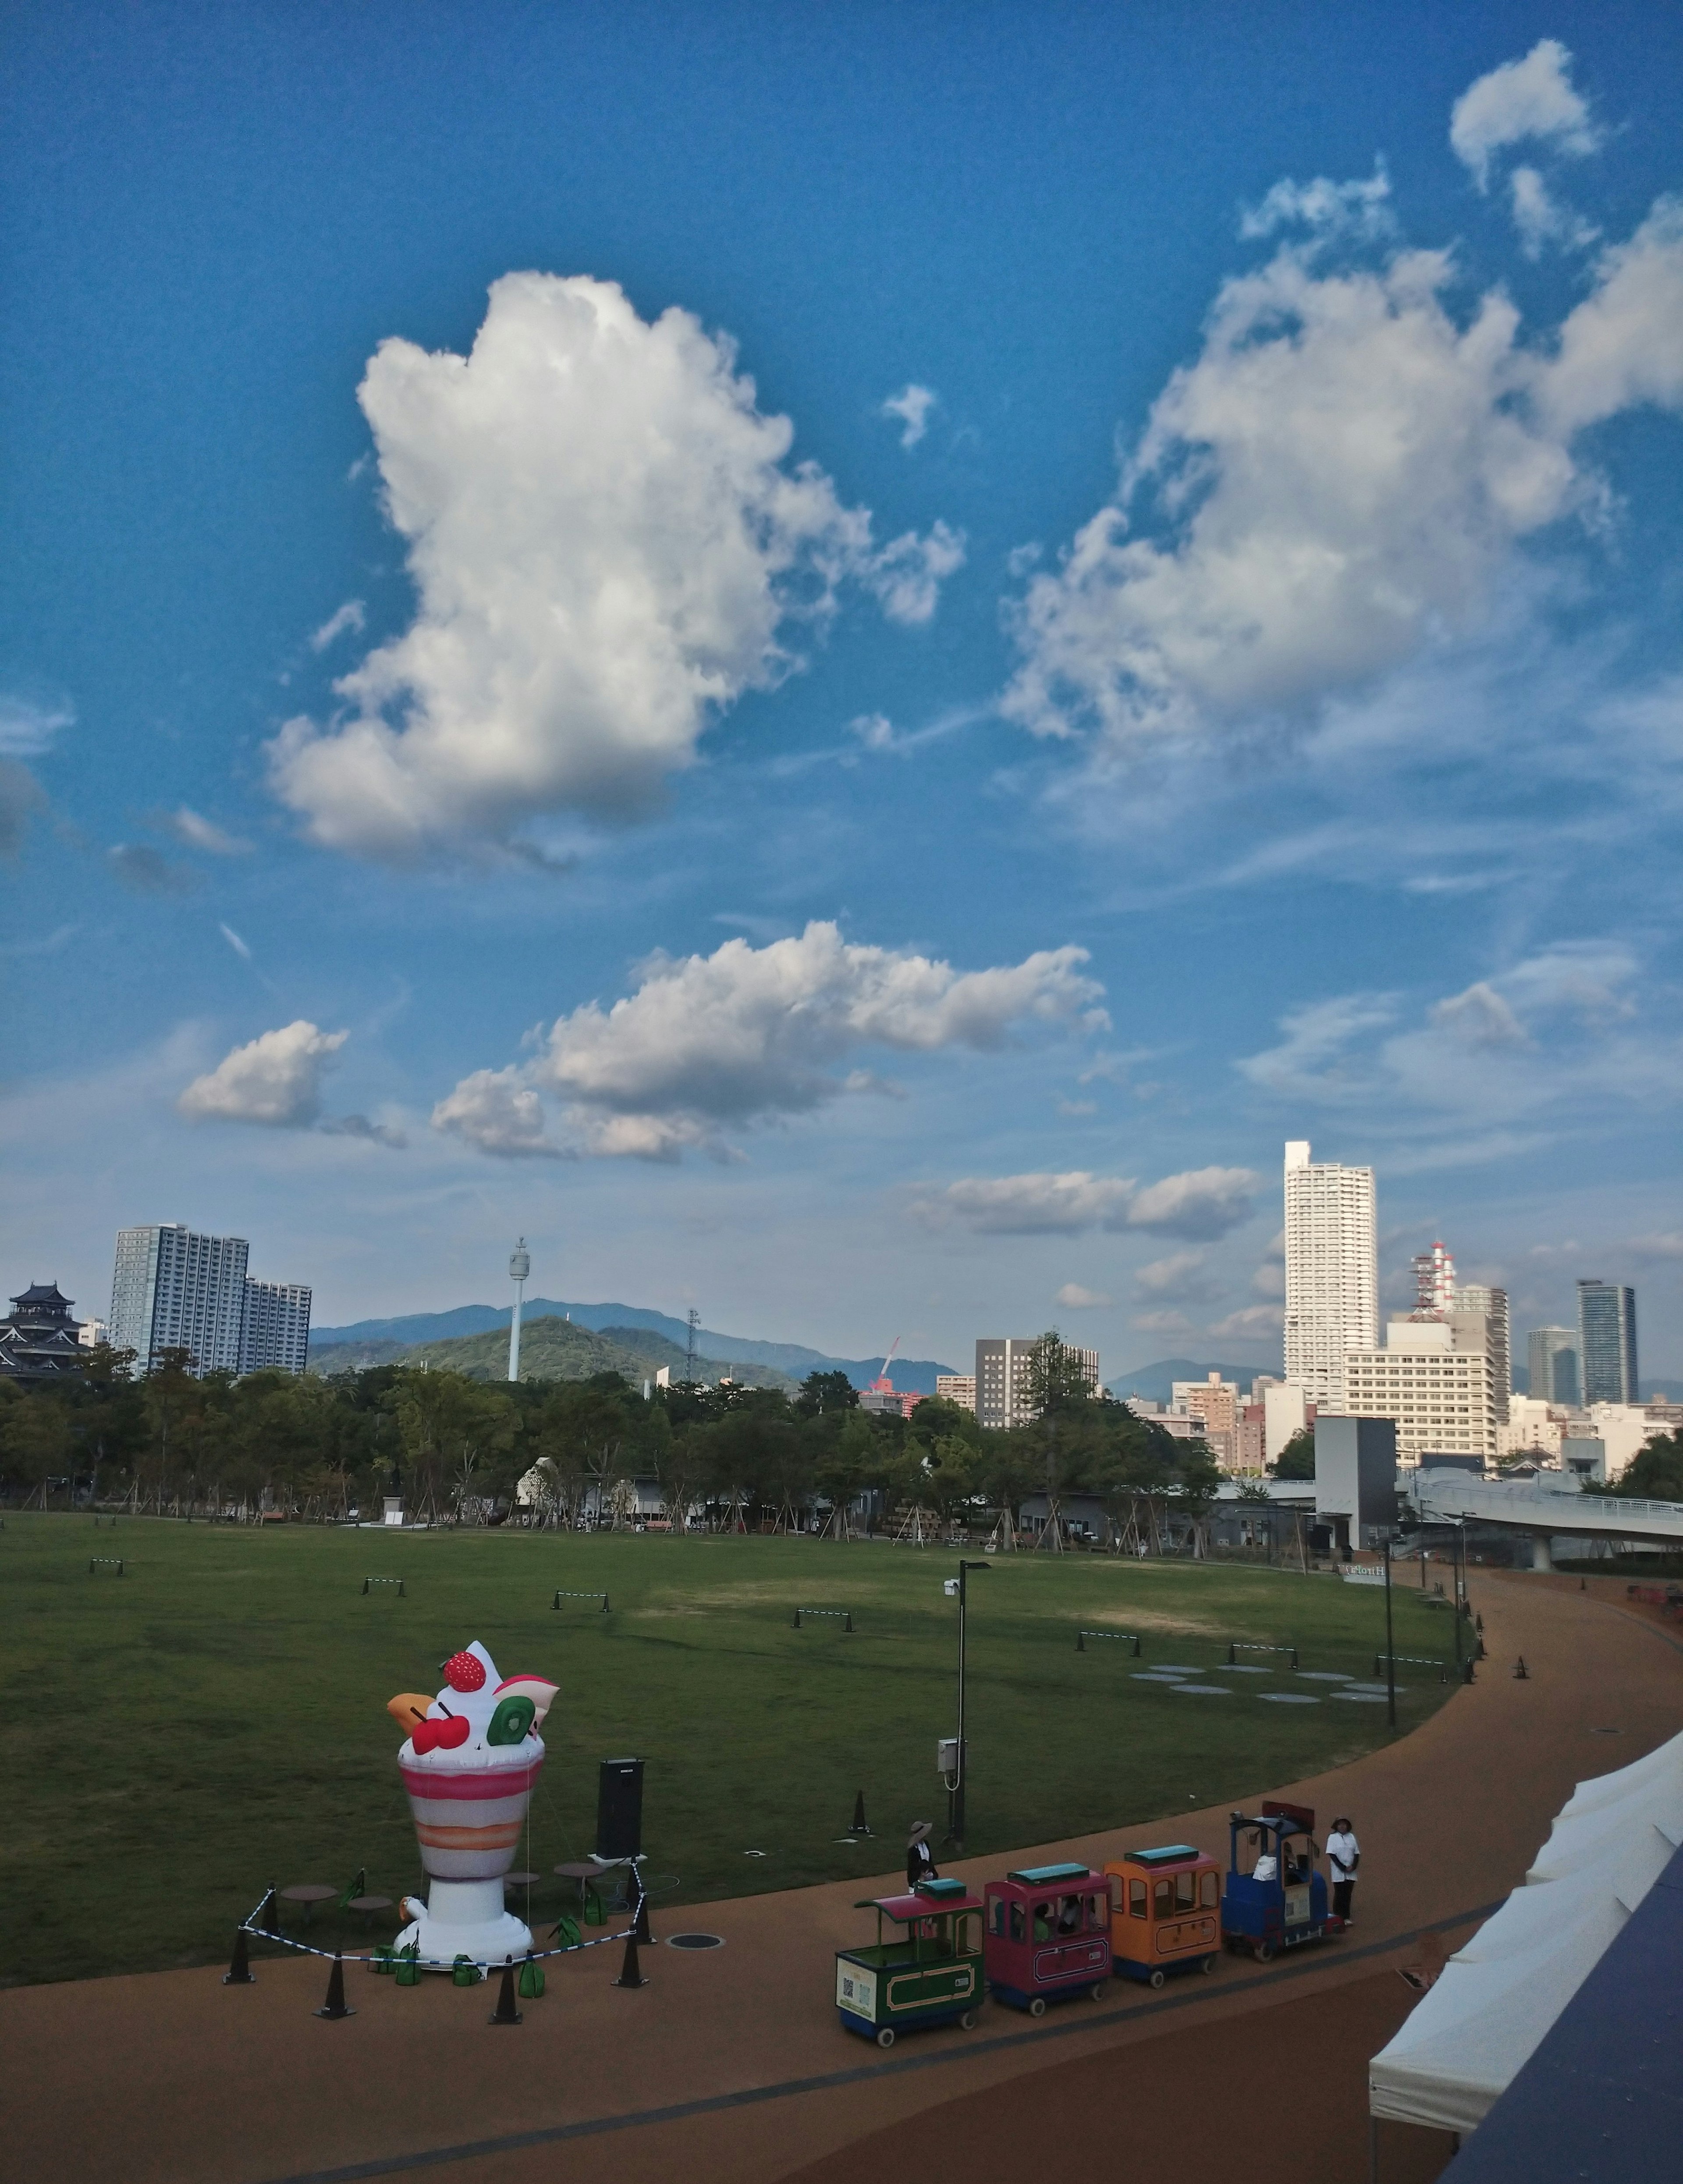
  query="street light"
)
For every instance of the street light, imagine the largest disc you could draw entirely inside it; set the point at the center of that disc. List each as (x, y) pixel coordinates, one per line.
(954, 1587)
(1390, 1643)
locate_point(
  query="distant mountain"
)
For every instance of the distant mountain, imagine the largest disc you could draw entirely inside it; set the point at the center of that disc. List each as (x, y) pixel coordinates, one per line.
(552, 1348)
(390, 1338)
(1156, 1382)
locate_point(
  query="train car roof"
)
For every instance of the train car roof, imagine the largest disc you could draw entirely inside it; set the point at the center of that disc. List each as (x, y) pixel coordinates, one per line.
(904, 1910)
(1165, 1854)
(1042, 1876)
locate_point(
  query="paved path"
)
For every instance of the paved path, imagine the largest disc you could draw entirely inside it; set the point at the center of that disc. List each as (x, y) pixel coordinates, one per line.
(731, 2065)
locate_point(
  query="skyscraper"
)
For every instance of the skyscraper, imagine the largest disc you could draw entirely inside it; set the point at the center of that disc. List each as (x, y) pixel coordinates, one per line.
(1551, 1363)
(1607, 1342)
(172, 1289)
(1475, 1301)
(1331, 1271)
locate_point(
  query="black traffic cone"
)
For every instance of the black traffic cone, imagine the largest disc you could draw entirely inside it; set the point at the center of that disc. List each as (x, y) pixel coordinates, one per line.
(859, 1827)
(505, 2012)
(630, 1971)
(1522, 1674)
(1467, 1672)
(336, 2006)
(239, 1972)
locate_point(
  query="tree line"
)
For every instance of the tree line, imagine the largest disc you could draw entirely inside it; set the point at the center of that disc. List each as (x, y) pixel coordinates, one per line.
(452, 1448)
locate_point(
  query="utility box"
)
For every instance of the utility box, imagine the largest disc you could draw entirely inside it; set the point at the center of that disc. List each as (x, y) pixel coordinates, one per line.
(947, 1755)
(1356, 1477)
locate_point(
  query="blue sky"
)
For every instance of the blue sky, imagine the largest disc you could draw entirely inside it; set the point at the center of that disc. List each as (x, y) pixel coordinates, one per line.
(842, 662)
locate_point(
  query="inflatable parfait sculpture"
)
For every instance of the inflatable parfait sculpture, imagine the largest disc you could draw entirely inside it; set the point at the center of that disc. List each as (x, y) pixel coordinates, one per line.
(468, 1765)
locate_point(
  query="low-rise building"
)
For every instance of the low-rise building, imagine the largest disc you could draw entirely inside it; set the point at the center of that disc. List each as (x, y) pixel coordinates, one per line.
(959, 1388)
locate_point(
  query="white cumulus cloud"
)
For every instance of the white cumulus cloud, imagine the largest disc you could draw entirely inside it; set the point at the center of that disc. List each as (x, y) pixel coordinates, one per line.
(1252, 1323)
(1201, 1204)
(350, 616)
(1072, 1297)
(1179, 1278)
(608, 541)
(1541, 218)
(1524, 101)
(274, 1080)
(912, 406)
(707, 1042)
(193, 831)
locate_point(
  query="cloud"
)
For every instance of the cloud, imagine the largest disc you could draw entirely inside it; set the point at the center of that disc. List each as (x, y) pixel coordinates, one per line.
(143, 871)
(1361, 208)
(1481, 1017)
(1269, 1280)
(27, 729)
(1668, 1244)
(1074, 1298)
(912, 406)
(1180, 1277)
(233, 941)
(20, 793)
(274, 1080)
(359, 1125)
(350, 616)
(1528, 100)
(1343, 481)
(1253, 1323)
(749, 1034)
(1541, 219)
(875, 731)
(1202, 1203)
(608, 541)
(1172, 1324)
(194, 831)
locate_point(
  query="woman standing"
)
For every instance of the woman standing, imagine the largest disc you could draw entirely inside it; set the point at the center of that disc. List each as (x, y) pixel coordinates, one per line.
(920, 1857)
(1343, 1856)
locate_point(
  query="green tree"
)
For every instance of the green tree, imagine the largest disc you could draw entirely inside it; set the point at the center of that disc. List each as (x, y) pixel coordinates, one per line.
(1655, 1474)
(1296, 1460)
(825, 1392)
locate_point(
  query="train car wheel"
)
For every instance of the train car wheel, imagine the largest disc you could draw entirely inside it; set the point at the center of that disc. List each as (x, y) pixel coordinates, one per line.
(1264, 1953)
(885, 2037)
(1156, 1979)
(967, 2022)
(1096, 1992)
(1206, 1964)
(1037, 2007)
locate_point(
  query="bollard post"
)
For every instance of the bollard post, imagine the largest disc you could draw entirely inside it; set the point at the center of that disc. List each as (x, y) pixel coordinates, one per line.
(1232, 1654)
(240, 1973)
(797, 1619)
(1080, 1641)
(505, 2012)
(1136, 1649)
(1294, 1657)
(336, 2006)
(402, 1593)
(847, 1620)
(364, 1588)
(604, 1603)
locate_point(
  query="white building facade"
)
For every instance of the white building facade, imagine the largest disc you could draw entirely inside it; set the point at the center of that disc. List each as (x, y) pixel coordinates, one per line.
(276, 1336)
(173, 1289)
(1331, 1272)
(1442, 1398)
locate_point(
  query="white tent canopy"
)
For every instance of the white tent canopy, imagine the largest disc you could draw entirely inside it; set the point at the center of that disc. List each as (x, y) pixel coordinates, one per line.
(1472, 2033)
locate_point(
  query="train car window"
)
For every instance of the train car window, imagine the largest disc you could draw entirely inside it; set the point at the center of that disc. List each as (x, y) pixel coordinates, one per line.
(1042, 1922)
(1098, 1913)
(999, 1916)
(969, 1934)
(1208, 1890)
(1137, 1899)
(1163, 1899)
(1069, 1915)
(1116, 1890)
(1185, 1890)
(1019, 1923)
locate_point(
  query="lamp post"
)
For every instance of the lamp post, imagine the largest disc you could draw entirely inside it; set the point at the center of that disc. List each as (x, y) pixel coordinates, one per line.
(955, 1785)
(1390, 1644)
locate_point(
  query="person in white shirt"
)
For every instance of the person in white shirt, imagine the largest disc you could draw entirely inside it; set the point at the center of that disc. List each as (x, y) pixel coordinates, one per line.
(1343, 1856)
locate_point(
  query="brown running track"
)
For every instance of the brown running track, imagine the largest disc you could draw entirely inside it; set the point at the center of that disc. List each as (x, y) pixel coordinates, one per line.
(730, 2064)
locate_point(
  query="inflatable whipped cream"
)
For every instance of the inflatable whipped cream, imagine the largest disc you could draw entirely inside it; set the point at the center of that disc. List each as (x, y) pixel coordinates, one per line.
(468, 1764)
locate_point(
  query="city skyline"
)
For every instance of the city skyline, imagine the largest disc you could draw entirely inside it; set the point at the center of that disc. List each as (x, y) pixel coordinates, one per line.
(900, 857)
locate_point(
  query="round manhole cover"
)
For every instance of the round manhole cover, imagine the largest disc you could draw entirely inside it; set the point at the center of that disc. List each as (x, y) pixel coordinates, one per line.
(695, 1941)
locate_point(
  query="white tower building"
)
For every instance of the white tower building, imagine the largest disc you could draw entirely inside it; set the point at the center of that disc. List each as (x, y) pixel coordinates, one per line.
(520, 1266)
(1331, 1271)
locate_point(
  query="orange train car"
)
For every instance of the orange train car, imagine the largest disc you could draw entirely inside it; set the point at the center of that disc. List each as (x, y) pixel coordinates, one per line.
(1165, 1912)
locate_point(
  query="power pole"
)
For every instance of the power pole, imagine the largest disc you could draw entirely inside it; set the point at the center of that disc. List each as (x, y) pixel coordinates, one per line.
(955, 1787)
(690, 1352)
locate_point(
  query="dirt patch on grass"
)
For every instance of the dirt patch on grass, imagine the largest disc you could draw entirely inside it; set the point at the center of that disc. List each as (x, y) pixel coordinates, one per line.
(1154, 1618)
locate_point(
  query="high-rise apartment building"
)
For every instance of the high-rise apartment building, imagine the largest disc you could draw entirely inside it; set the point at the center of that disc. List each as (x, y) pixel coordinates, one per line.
(1552, 1366)
(1476, 1302)
(1004, 1364)
(959, 1388)
(173, 1289)
(1607, 1342)
(1331, 1271)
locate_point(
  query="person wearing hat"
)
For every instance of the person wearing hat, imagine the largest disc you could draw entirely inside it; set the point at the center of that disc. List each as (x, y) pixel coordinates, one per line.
(920, 1857)
(1343, 1856)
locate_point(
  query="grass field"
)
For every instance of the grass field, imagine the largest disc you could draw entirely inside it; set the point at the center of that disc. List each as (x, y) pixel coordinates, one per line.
(214, 1720)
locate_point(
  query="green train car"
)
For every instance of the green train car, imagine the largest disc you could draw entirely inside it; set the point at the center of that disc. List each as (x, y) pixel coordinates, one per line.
(927, 1971)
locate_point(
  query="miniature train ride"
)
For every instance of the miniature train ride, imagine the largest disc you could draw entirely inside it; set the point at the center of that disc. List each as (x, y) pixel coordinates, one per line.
(1051, 1933)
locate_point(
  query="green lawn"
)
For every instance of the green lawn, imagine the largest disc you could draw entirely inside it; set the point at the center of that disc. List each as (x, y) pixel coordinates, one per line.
(214, 1720)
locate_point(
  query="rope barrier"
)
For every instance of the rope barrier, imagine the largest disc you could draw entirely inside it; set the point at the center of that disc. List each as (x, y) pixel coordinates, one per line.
(105, 1562)
(387, 1952)
(1237, 1646)
(1126, 1638)
(843, 1615)
(369, 1582)
(560, 1596)
(1412, 1661)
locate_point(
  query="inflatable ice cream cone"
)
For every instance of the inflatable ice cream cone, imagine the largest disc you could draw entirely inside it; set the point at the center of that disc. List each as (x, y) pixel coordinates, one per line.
(468, 1768)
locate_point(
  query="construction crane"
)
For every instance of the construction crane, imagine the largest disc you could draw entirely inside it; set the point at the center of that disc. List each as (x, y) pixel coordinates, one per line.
(882, 1385)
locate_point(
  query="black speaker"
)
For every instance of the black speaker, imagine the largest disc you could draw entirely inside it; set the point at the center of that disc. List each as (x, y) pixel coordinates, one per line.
(620, 1808)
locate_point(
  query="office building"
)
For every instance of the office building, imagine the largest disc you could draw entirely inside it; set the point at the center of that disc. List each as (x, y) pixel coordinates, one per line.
(1476, 1306)
(1003, 1366)
(1607, 1343)
(1552, 1366)
(959, 1388)
(1441, 1394)
(1331, 1271)
(173, 1289)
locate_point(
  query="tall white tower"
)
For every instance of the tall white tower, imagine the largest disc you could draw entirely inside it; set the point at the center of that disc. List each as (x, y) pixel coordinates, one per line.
(1331, 1271)
(520, 1266)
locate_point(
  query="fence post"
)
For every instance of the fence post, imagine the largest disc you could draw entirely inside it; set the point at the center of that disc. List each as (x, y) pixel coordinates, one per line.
(1080, 1641)
(797, 1619)
(847, 1619)
(1232, 1654)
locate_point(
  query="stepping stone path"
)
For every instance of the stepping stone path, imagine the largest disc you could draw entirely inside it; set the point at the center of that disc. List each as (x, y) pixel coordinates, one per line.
(1324, 1676)
(1288, 1698)
(1205, 1690)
